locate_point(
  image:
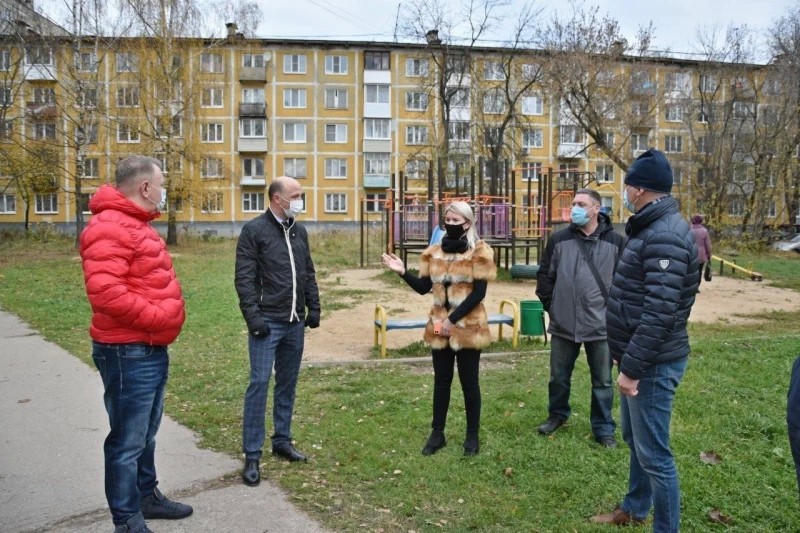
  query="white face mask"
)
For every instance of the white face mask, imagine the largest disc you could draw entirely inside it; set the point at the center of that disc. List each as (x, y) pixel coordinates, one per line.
(163, 203)
(294, 209)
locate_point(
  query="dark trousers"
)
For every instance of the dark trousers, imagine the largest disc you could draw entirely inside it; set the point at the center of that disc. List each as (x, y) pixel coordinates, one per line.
(468, 363)
(793, 417)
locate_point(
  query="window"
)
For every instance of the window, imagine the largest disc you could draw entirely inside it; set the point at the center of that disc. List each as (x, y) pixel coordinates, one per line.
(88, 98)
(459, 130)
(211, 167)
(336, 202)
(491, 136)
(91, 167)
(294, 98)
(532, 105)
(374, 202)
(376, 163)
(704, 145)
(44, 131)
(532, 138)
(416, 169)
(609, 139)
(674, 112)
(36, 54)
(639, 142)
(673, 143)
(376, 60)
(335, 64)
(739, 175)
(377, 94)
(740, 83)
(772, 87)
(677, 82)
(166, 127)
(253, 202)
(86, 134)
(605, 173)
(86, 62)
(459, 98)
(530, 71)
(211, 202)
(742, 110)
(494, 102)
(336, 98)
(254, 96)
(128, 97)
(253, 167)
(294, 167)
(417, 135)
(708, 83)
(641, 82)
(493, 70)
(335, 168)
(416, 101)
(704, 175)
(294, 132)
(43, 96)
(704, 115)
(570, 135)
(531, 171)
(211, 133)
(252, 127)
(253, 61)
(639, 109)
(736, 207)
(416, 67)
(294, 64)
(46, 203)
(377, 128)
(211, 63)
(5, 97)
(5, 60)
(6, 129)
(335, 133)
(127, 62)
(677, 175)
(772, 210)
(211, 97)
(169, 164)
(8, 204)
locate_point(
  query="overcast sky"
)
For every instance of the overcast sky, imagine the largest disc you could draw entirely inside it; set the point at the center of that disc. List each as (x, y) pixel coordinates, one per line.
(676, 22)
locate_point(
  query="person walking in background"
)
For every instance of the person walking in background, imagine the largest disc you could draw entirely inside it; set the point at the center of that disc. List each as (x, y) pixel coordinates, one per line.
(703, 243)
(458, 270)
(648, 310)
(276, 282)
(793, 417)
(572, 283)
(137, 311)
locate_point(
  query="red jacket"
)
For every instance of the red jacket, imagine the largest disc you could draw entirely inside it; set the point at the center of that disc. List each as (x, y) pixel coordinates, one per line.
(131, 285)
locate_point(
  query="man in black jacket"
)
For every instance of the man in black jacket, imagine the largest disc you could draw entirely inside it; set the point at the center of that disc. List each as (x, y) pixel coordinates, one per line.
(572, 283)
(276, 283)
(651, 297)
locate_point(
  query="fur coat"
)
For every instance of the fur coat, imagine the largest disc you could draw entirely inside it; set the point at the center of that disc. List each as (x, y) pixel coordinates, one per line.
(452, 275)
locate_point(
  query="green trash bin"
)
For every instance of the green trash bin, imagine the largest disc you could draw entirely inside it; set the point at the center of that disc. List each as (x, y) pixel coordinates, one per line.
(532, 317)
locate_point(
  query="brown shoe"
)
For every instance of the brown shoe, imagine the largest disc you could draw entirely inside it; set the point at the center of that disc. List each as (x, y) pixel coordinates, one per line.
(617, 517)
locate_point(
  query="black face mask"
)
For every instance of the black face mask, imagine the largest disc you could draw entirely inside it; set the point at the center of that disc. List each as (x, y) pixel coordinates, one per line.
(455, 231)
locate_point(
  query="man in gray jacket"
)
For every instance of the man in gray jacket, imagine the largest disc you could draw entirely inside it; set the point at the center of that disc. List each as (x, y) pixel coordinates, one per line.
(575, 273)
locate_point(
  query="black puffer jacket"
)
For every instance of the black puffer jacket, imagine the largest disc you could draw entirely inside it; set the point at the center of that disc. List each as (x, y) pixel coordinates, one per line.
(265, 279)
(653, 290)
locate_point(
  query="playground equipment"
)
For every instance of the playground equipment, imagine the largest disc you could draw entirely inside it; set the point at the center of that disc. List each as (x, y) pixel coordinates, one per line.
(752, 274)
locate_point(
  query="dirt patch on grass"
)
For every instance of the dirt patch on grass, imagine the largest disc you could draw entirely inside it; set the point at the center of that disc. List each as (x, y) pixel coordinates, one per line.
(347, 334)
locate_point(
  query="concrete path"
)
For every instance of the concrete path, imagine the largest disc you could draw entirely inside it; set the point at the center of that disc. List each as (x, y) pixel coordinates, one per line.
(52, 427)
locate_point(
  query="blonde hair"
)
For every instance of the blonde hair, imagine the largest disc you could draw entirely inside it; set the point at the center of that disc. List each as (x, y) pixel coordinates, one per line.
(463, 209)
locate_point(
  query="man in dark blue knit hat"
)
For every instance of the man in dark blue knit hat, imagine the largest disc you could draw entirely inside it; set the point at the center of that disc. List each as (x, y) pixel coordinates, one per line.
(648, 308)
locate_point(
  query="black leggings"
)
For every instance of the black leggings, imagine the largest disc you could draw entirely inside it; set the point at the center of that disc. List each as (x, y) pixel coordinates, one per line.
(468, 362)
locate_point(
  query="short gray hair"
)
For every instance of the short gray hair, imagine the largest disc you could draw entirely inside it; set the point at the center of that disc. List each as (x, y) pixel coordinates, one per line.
(133, 169)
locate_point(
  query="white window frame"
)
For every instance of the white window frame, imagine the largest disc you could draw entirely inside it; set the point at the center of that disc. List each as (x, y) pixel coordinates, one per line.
(494, 102)
(253, 202)
(336, 202)
(335, 98)
(416, 101)
(460, 131)
(5, 60)
(416, 169)
(253, 96)
(294, 98)
(570, 134)
(708, 83)
(293, 165)
(674, 112)
(604, 173)
(40, 51)
(416, 67)
(736, 207)
(8, 204)
(673, 144)
(253, 167)
(211, 63)
(533, 105)
(493, 71)
(531, 170)
(639, 141)
(336, 133)
(91, 168)
(294, 64)
(335, 168)
(253, 61)
(378, 128)
(211, 168)
(127, 62)
(252, 128)
(85, 61)
(298, 132)
(44, 130)
(376, 93)
(416, 134)
(213, 132)
(533, 138)
(336, 64)
(212, 97)
(128, 96)
(212, 202)
(377, 163)
(46, 203)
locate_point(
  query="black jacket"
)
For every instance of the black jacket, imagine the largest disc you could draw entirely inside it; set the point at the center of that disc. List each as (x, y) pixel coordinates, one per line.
(653, 290)
(265, 280)
(566, 286)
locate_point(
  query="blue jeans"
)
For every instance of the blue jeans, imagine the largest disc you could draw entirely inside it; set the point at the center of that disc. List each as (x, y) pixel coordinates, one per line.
(793, 416)
(283, 348)
(645, 421)
(563, 354)
(134, 376)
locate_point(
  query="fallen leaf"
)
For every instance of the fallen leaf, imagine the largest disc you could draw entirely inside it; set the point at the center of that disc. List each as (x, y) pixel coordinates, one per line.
(710, 458)
(715, 515)
(508, 471)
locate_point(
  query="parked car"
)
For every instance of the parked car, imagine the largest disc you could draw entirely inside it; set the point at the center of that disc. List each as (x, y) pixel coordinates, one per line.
(788, 246)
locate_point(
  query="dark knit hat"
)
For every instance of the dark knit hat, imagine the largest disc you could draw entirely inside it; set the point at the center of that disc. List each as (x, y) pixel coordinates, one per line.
(697, 219)
(650, 171)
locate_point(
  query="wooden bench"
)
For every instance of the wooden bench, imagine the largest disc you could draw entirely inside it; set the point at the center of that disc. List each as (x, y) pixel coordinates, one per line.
(383, 324)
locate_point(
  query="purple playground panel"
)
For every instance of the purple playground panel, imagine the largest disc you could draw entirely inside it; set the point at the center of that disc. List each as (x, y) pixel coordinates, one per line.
(418, 221)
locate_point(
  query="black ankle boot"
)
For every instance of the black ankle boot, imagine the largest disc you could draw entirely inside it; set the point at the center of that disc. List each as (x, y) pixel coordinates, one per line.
(471, 445)
(435, 442)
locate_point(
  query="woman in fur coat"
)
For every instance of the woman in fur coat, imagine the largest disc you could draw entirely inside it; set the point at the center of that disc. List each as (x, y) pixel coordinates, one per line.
(456, 272)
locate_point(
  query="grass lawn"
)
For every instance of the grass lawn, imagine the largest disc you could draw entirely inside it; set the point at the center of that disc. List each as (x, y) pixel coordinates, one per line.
(365, 425)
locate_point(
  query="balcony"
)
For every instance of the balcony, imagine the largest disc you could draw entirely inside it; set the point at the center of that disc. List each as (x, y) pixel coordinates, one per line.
(252, 144)
(253, 74)
(258, 181)
(377, 145)
(252, 109)
(39, 71)
(42, 111)
(571, 150)
(377, 181)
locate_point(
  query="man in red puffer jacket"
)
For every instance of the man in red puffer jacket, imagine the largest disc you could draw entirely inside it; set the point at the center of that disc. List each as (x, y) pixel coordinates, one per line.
(137, 310)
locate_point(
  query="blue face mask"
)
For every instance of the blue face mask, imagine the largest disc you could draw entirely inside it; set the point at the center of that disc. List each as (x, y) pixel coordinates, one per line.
(578, 216)
(628, 204)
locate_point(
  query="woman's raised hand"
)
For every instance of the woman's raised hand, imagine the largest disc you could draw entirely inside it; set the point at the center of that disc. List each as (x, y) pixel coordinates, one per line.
(393, 263)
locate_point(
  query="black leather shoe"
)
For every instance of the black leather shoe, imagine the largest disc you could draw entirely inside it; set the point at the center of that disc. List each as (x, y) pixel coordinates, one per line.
(607, 441)
(552, 423)
(435, 443)
(471, 446)
(159, 507)
(251, 475)
(288, 452)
